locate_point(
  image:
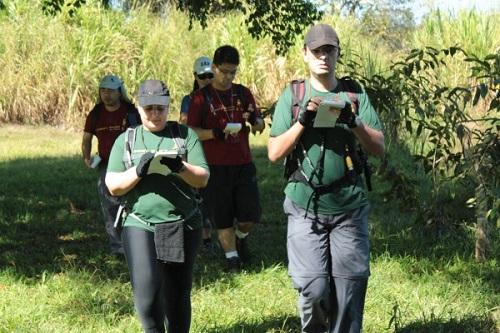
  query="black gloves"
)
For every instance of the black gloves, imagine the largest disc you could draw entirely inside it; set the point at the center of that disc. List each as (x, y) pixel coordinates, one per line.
(174, 164)
(165, 166)
(142, 168)
(306, 118)
(218, 134)
(347, 116)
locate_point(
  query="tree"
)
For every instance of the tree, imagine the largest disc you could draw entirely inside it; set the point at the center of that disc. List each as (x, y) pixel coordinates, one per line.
(458, 149)
(280, 20)
(390, 20)
(357, 7)
(54, 6)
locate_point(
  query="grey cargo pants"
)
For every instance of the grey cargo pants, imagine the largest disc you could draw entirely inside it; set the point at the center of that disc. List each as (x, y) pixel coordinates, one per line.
(329, 265)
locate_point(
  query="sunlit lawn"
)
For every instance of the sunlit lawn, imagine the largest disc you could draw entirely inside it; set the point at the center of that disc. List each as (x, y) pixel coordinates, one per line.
(56, 274)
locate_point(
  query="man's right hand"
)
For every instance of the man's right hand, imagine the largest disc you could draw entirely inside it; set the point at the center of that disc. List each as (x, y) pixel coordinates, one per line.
(142, 168)
(87, 162)
(219, 134)
(306, 118)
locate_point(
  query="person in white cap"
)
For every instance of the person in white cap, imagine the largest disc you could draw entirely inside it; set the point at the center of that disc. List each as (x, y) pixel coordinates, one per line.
(203, 75)
(162, 228)
(325, 198)
(111, 116)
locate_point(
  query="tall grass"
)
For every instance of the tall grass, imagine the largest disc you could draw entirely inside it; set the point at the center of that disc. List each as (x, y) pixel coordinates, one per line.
(51, 65)
(477, 33)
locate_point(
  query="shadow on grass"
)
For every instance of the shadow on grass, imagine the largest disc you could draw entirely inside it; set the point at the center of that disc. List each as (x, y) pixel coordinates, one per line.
(469, 324)
(282, 324)
(267, 241)
(50, 219)
(411, 223)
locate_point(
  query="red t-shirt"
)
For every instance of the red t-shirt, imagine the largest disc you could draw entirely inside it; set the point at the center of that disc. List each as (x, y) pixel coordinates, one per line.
(107, 126)
(224, 107)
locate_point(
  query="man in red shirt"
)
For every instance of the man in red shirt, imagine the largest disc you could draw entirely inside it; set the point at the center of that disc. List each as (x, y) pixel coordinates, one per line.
(111, 116)
(219, 114)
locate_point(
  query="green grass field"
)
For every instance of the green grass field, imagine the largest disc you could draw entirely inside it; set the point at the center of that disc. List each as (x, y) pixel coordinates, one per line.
(57, 276)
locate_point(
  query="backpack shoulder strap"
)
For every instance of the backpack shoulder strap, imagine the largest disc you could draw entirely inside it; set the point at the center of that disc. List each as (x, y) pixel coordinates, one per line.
(298, 88)
(361, 164)
(240, 92)
(129, 146)
(353, 89)
(133, 118)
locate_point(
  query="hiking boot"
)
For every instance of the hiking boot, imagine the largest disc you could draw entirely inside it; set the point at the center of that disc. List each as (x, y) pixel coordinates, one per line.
(243, 250)
(233, 264)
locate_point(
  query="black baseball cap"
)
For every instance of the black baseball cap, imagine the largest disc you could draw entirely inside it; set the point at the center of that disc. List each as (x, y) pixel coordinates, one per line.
(319, 35)
(153, 92)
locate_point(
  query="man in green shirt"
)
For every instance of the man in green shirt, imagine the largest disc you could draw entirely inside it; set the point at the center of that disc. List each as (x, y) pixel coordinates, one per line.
(326, 204)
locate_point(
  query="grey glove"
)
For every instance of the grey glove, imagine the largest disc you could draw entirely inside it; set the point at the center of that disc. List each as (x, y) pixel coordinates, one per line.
(142, 168)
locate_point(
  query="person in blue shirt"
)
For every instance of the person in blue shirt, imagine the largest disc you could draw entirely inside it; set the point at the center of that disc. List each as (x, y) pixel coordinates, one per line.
(203, 75)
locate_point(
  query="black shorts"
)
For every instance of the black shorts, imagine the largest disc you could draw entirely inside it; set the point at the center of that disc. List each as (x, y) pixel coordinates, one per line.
(232, 193)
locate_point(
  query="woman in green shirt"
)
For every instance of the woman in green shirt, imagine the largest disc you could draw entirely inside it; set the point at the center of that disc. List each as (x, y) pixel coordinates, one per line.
(162, 227)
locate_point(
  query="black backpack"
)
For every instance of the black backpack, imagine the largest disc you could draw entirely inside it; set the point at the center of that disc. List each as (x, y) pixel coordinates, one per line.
(128, 156)
(356, 161)
(128, 152)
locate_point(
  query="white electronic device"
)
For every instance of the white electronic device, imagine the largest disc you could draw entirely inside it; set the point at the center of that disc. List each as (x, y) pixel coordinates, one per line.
(96, 159)
(328, 112)
(166, 153)
(157, 167)
(232, 128)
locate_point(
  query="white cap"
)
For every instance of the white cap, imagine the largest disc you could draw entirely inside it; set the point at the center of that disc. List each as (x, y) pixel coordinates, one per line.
(202, 65)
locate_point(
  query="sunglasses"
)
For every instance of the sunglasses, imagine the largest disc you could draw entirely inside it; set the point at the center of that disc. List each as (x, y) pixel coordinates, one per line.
(205, 76)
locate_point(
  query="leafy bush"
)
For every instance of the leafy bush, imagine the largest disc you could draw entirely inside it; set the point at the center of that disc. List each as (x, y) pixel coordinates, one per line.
(452, 132)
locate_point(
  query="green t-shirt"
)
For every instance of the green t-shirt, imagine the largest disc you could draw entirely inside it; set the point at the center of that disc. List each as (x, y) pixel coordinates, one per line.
(336, 139)
(157, 198)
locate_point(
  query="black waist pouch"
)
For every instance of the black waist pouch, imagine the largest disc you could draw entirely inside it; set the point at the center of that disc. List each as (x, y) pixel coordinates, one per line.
(169, 241)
